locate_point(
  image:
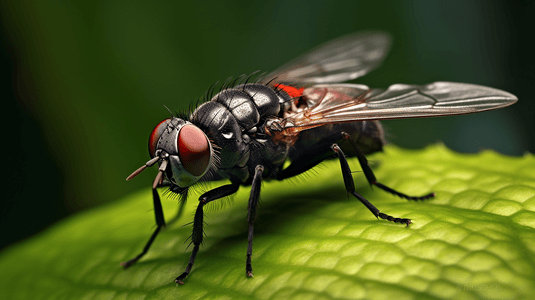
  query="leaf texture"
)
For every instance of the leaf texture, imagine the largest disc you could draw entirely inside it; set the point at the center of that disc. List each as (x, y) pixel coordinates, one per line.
(475, 240)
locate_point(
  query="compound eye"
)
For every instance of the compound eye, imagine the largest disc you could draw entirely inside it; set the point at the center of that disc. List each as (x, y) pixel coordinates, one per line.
(193, 150)
(156, 134)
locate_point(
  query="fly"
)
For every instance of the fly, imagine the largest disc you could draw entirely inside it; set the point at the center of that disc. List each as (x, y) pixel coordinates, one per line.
(300, 113)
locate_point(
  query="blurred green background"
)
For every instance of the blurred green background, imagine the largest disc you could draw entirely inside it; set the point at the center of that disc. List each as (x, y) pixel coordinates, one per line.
(85, 81)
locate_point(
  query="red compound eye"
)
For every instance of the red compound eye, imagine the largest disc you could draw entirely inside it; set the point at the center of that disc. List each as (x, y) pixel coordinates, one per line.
(156, 134)
(193, 150)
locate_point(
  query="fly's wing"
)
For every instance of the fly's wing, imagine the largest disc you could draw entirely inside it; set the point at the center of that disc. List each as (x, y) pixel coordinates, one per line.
(342, 59)
(337, 103)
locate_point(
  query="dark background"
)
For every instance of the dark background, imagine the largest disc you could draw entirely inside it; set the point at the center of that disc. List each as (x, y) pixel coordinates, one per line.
(84, 82)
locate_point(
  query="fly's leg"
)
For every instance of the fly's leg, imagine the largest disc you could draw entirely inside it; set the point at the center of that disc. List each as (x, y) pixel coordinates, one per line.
(198, 222)
(316, 154)
(350, 187)
(160, 222)
(371, 177)
(251, 216)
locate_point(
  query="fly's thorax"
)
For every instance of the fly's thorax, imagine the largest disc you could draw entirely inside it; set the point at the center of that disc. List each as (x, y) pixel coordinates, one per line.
(224, 130)
(267, 101)
(231, 119)
(186, 149)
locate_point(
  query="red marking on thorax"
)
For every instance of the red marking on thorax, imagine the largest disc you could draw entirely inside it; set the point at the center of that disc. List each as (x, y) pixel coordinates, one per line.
(292, 91)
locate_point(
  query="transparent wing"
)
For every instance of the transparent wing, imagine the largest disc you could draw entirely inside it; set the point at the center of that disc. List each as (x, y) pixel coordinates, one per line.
(338, 103)
(340, 60)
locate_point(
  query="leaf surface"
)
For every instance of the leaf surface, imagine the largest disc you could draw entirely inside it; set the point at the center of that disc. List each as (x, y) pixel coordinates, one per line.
(475, 240)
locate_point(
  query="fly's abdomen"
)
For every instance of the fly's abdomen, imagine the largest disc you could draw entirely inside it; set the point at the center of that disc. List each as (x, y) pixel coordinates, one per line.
(372, 137)
(368, 135)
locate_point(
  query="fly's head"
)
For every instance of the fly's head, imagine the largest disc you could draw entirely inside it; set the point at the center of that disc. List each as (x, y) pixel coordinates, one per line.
(182, 151)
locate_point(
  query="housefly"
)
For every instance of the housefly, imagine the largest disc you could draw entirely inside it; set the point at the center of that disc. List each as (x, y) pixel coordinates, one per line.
(300, 114)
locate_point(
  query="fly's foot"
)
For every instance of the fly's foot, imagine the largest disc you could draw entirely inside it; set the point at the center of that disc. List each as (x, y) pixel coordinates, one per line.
(181, 277)
(248, 267)
(129, 263)
(395, 220)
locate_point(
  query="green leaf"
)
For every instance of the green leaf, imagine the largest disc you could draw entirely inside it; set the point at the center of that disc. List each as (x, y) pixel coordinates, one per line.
(475, 240)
